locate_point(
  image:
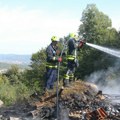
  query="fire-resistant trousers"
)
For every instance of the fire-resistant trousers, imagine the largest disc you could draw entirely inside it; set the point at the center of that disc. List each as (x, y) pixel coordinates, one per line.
(69, 76)
(51, 77)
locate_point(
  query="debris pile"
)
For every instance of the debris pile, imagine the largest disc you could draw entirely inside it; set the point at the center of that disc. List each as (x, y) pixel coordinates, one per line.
(80, 102)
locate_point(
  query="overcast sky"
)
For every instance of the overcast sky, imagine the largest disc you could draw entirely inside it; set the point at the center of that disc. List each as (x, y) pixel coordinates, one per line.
(28, 25)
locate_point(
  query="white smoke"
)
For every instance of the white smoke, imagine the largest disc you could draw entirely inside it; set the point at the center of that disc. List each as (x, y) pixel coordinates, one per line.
(107, 80)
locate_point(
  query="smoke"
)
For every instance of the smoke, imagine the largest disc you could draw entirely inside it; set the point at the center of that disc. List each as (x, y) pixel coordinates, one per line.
(107, 80)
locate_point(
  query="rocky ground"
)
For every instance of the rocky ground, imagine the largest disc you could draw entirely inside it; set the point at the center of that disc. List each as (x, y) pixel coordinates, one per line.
(81, 101)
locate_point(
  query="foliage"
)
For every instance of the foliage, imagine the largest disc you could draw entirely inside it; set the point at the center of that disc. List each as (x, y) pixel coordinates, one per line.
(14, 74)
(95, 24)
(97, 27)
(12, 86)
(9, 94)
(36, 75)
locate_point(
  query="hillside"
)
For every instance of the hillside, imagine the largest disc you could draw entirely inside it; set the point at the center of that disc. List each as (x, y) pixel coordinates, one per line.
(15, 59)
(4, 66)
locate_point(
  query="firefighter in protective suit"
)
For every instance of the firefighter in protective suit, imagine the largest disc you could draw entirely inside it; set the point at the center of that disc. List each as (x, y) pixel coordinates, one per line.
(72, 62)
(52, 60)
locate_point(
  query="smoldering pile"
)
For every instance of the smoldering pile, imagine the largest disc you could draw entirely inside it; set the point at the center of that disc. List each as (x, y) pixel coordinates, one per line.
(79, 102)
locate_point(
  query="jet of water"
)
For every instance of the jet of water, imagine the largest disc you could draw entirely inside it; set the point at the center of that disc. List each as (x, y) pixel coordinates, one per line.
(115, 53)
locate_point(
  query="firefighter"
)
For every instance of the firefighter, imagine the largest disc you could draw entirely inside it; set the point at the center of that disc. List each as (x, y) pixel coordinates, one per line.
(52, 60)
(72, 62)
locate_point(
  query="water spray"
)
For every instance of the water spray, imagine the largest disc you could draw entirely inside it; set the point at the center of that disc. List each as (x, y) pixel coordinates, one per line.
(110, 51)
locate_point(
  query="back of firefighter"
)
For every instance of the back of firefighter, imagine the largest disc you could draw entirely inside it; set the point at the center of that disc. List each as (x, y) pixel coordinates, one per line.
(51, 66)
(72, 61)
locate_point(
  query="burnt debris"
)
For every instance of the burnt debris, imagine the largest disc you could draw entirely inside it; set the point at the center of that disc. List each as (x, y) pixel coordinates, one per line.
(79, 102)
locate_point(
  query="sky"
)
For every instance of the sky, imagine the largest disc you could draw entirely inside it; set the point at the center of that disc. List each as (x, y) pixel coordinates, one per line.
(26, 26)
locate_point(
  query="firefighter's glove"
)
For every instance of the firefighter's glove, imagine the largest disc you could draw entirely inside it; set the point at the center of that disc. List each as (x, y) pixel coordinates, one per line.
(58, 52)
(59, 59)
(81, 43)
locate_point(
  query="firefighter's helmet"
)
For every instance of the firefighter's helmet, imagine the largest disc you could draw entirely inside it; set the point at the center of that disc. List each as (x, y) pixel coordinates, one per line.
(54, 38)
(73, 35)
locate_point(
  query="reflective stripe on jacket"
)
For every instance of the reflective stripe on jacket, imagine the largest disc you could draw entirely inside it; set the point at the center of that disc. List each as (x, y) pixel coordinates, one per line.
(48, 65)
(70, 57)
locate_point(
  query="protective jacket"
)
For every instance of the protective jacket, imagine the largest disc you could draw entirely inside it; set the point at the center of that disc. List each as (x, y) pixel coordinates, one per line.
(72, 52)
(51, 57)
(71, 46)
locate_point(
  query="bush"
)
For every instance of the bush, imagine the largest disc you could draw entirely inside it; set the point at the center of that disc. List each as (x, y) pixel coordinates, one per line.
(9, 93)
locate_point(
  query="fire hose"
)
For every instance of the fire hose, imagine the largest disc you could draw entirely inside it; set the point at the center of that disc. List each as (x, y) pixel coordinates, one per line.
(57, 85)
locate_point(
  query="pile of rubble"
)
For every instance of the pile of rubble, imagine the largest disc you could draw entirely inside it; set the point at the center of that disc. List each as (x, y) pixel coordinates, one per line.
(82, 101)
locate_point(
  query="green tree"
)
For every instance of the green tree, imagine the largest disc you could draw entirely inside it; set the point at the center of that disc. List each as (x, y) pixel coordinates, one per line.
(12, 86)
(113, 39)
(13, 74)
(36, 74)
(95, 25)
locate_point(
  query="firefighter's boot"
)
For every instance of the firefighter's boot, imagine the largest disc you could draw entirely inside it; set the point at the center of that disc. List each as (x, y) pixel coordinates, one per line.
(66, 83)
(71, 79)
(66, 80)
